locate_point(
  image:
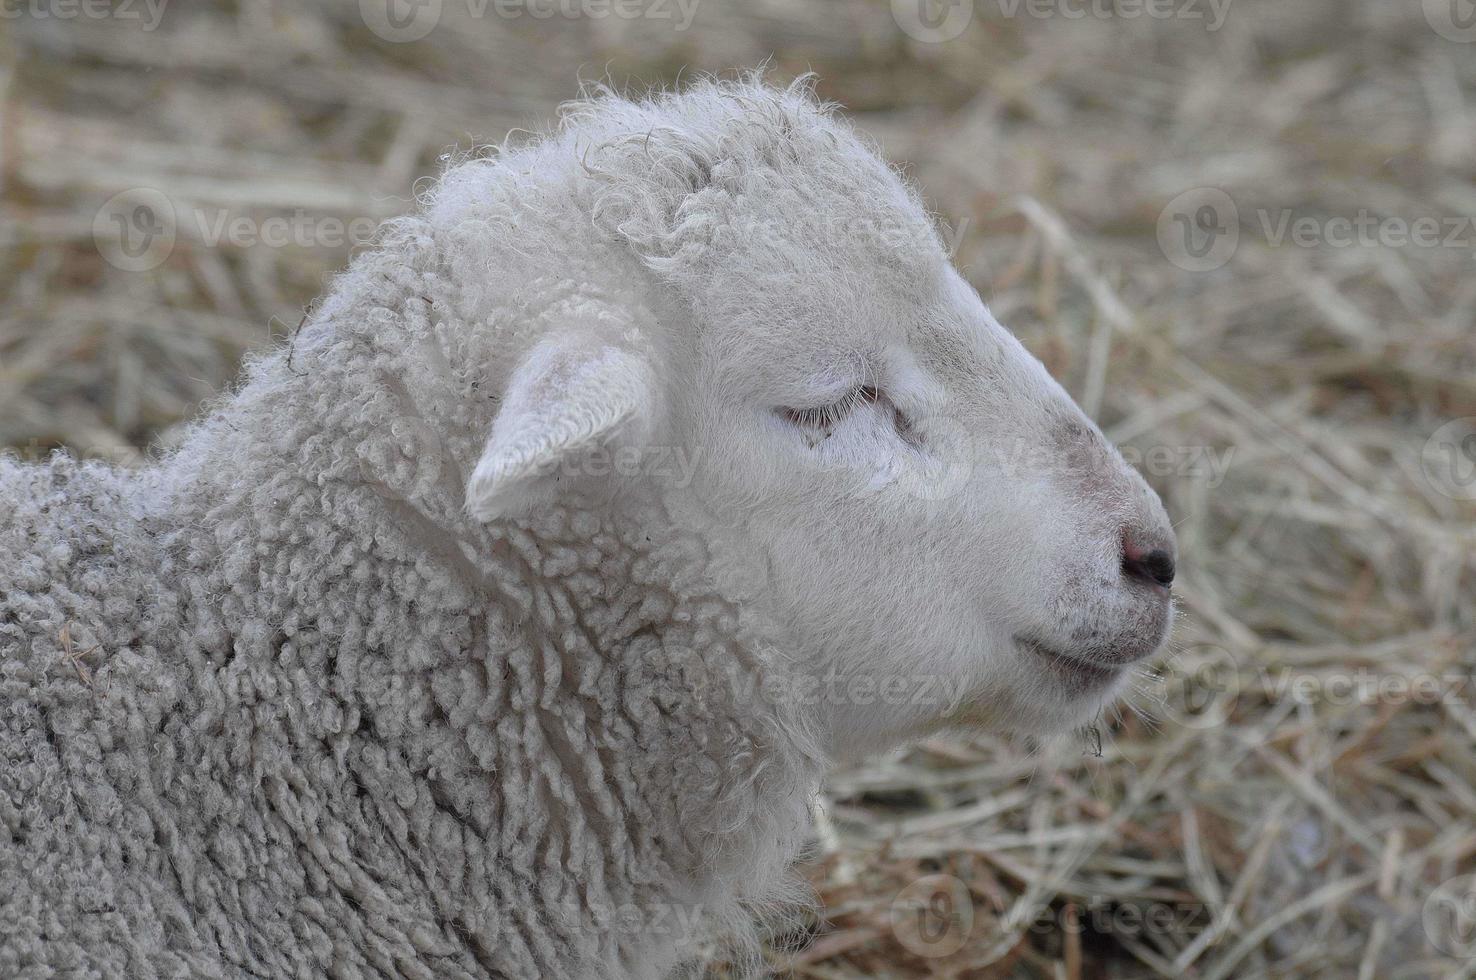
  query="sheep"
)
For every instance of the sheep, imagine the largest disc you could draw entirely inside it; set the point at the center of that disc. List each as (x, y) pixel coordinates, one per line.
(504, 623)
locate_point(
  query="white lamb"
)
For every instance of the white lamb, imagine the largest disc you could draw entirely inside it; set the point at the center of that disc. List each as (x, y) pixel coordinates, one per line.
(505, 624)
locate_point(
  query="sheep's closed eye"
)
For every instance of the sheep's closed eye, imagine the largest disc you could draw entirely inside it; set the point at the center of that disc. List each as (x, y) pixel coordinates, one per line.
(825, 417)
(819, 422)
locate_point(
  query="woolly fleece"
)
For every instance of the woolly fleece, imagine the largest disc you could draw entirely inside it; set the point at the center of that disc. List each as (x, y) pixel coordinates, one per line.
(278, 706)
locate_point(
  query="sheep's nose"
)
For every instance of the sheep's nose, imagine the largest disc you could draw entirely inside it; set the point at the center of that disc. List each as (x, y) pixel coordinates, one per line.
(1147, 563)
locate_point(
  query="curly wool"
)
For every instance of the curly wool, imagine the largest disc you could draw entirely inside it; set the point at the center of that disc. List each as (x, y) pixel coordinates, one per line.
(277, 706)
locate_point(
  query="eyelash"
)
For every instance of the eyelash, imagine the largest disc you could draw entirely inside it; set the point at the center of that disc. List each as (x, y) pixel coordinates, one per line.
(828, 416)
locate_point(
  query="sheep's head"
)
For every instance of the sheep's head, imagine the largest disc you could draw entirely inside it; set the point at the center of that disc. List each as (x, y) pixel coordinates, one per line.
(944, 534)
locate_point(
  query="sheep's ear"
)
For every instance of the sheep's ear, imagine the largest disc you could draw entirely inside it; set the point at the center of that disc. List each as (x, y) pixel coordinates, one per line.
(567, 397)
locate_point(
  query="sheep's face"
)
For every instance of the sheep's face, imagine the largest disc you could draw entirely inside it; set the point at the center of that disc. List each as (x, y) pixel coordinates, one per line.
(945, 538)
(950, 538)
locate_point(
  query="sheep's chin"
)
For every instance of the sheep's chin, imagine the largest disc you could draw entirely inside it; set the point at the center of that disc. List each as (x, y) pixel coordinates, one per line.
(1077, 678)
(1066, 713)
(1065, 695)
(1034, 707)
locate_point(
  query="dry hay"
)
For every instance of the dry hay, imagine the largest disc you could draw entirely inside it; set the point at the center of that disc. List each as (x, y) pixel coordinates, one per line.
(1295, 823)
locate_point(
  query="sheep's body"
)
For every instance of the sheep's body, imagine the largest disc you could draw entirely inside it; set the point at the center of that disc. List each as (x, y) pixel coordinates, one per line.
(270, 710)
(391, 669)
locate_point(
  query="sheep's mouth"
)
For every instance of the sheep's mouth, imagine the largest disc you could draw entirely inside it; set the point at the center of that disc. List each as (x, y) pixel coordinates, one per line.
(1079, 676)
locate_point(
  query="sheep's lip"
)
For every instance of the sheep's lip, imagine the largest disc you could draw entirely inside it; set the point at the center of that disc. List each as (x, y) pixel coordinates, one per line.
(1079, 674)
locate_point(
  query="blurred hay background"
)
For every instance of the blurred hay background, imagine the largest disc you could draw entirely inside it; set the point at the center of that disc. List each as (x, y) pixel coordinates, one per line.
(1275, 807)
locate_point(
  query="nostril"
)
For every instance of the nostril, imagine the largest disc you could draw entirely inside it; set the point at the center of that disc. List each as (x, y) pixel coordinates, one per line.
(1156, 567)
